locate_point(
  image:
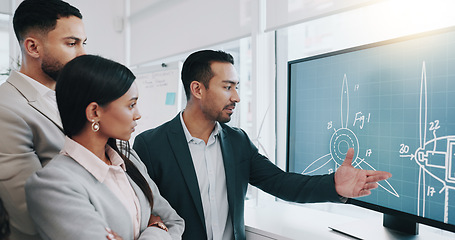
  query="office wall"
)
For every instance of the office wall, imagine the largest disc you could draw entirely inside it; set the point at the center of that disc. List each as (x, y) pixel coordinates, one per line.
(5, 6)
(161, 28)
(104, 26)
(283, 13)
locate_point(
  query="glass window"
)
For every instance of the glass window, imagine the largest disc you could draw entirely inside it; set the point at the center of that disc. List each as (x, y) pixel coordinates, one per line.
(4, 47)
(241, 51)
(373, 23)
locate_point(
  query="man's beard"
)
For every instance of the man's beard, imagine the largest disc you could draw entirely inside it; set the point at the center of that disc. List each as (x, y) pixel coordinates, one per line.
(221, 119)
(52, 68)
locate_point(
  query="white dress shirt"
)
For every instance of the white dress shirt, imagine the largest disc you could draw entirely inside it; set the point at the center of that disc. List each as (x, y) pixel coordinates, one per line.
(113, 176)
(209, 166)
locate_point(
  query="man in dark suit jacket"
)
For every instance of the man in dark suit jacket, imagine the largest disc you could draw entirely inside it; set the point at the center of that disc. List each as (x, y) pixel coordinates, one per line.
(203, 167)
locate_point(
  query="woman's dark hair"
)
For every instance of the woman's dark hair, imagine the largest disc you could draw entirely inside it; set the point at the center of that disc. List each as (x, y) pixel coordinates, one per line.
(87, 79)
(4, 222)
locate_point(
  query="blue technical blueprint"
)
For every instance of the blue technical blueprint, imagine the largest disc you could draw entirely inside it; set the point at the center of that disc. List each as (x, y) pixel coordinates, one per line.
(394, 103)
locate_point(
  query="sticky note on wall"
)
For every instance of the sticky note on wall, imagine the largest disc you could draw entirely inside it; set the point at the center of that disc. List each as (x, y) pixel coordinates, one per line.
(170, 98)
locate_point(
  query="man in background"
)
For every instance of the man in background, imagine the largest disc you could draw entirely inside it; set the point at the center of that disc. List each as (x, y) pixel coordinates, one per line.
(50, 34)
(203, 167)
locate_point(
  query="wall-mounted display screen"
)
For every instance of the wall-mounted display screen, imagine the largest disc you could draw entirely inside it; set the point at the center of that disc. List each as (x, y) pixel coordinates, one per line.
(394, 103)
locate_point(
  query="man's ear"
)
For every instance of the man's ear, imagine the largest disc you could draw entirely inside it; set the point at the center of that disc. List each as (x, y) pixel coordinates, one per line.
(32, 47)
(92, 112)
(196, 89)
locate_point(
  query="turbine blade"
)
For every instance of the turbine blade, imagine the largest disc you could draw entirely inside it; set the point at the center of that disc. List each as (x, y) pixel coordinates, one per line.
(318, 164)
(384, 184)
(344, 103)
(423, 108)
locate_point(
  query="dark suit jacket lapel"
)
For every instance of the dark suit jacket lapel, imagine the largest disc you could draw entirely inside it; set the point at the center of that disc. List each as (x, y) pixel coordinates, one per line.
(179, 145)
(229, 168)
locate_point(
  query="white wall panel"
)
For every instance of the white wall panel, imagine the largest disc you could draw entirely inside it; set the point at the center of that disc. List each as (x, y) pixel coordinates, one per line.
(163, 28)
(283, 13)
(5, 6)
(103, 20)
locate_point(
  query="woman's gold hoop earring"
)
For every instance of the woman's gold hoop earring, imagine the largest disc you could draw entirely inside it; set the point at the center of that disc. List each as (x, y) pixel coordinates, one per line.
(95, 126)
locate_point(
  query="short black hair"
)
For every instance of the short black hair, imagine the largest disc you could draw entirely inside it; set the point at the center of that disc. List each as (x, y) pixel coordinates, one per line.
(40, 15)
(197, 67)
